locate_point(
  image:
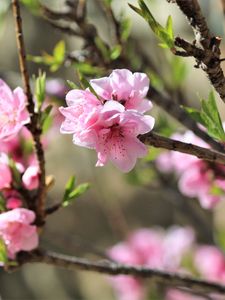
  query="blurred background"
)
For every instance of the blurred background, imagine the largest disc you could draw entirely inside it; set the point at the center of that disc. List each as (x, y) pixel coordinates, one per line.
(115, 204)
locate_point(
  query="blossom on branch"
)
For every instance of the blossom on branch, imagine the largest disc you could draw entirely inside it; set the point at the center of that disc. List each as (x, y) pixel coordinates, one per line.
(112, 123)
(197, 178)
(14, 114)
(17, 232)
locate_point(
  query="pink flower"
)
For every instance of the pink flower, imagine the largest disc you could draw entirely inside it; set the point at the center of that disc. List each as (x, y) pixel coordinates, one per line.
(197, 178)
(108, 128)
(6, 176)
(16, 231)
(30, 177)
(210, 262)
(173, 294)
(13, 111)
(152, 248)
(126, 87)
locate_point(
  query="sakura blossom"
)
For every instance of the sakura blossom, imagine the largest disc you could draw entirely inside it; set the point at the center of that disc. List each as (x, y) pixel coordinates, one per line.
(153, 248)
(17, 231)
(110, 127)
(197, 178)
(14, 114)
(129, 89)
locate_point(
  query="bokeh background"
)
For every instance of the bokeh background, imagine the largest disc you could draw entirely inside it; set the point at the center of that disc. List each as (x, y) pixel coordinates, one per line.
(116, 203)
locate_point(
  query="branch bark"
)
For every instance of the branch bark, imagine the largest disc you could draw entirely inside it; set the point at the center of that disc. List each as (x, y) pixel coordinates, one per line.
(112, 268)
(34, 128)
(206, 44)
(158, 141)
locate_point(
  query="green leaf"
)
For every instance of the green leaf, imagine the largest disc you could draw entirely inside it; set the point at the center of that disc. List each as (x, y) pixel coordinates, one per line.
(87, 69)
(169, 27)
(46, 118)
(195, 114)
(85, 84)
(115, 52)
(40, 83)
(69, 187)
(3, 252)
(125, 29)
(72, 193)
(79, 190)
(212, 118)
(72, 85)
(164, 34)
(59, 52)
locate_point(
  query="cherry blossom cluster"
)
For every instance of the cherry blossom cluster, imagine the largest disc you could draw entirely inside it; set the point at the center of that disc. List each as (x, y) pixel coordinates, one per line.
(197, 178)
(19, 171)
(168, 251)
(109, 116)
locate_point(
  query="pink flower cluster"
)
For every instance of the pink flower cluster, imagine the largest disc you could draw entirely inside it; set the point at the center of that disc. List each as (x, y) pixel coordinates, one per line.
(197, 178)
(165, 250)
(150, 248)
(111, 122)
(16, 156)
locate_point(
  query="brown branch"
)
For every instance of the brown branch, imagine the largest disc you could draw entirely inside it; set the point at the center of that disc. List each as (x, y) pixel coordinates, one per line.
(209, 58)
(34, 128)
(158, 141)
(111, 268)
(223, 4)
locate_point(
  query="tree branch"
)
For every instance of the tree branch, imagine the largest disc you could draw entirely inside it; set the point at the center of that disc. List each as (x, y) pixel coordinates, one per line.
(209, 58)
(158, 141)
(112, 268)
(34, 128)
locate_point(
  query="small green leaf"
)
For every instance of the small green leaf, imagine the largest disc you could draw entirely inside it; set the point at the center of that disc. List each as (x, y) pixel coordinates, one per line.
(3, 252)
(115, 52)
(169, 27)
(40, 89)
(87, 69)
(164, 34)
(46, 119)
(72, 85)
(73, 194)
(69, 187)
(125, 29)
(59, 52)
(15, 173)
(85, 84)
(79, 190)
(220, 238)
(195, 114)
(216, 191)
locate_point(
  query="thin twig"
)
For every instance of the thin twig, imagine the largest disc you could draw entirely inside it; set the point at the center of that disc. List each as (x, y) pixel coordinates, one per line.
(34, 125)
(111, 268)
(158, 141)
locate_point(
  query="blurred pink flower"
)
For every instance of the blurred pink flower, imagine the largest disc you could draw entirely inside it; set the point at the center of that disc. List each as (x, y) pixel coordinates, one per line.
(109, 129)
(210, 263)
(173, 294)
(126, 87)
(30, 177)
(14, 114)
(150, 248)
(6, 176)
(197, 178)
(17, 232)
